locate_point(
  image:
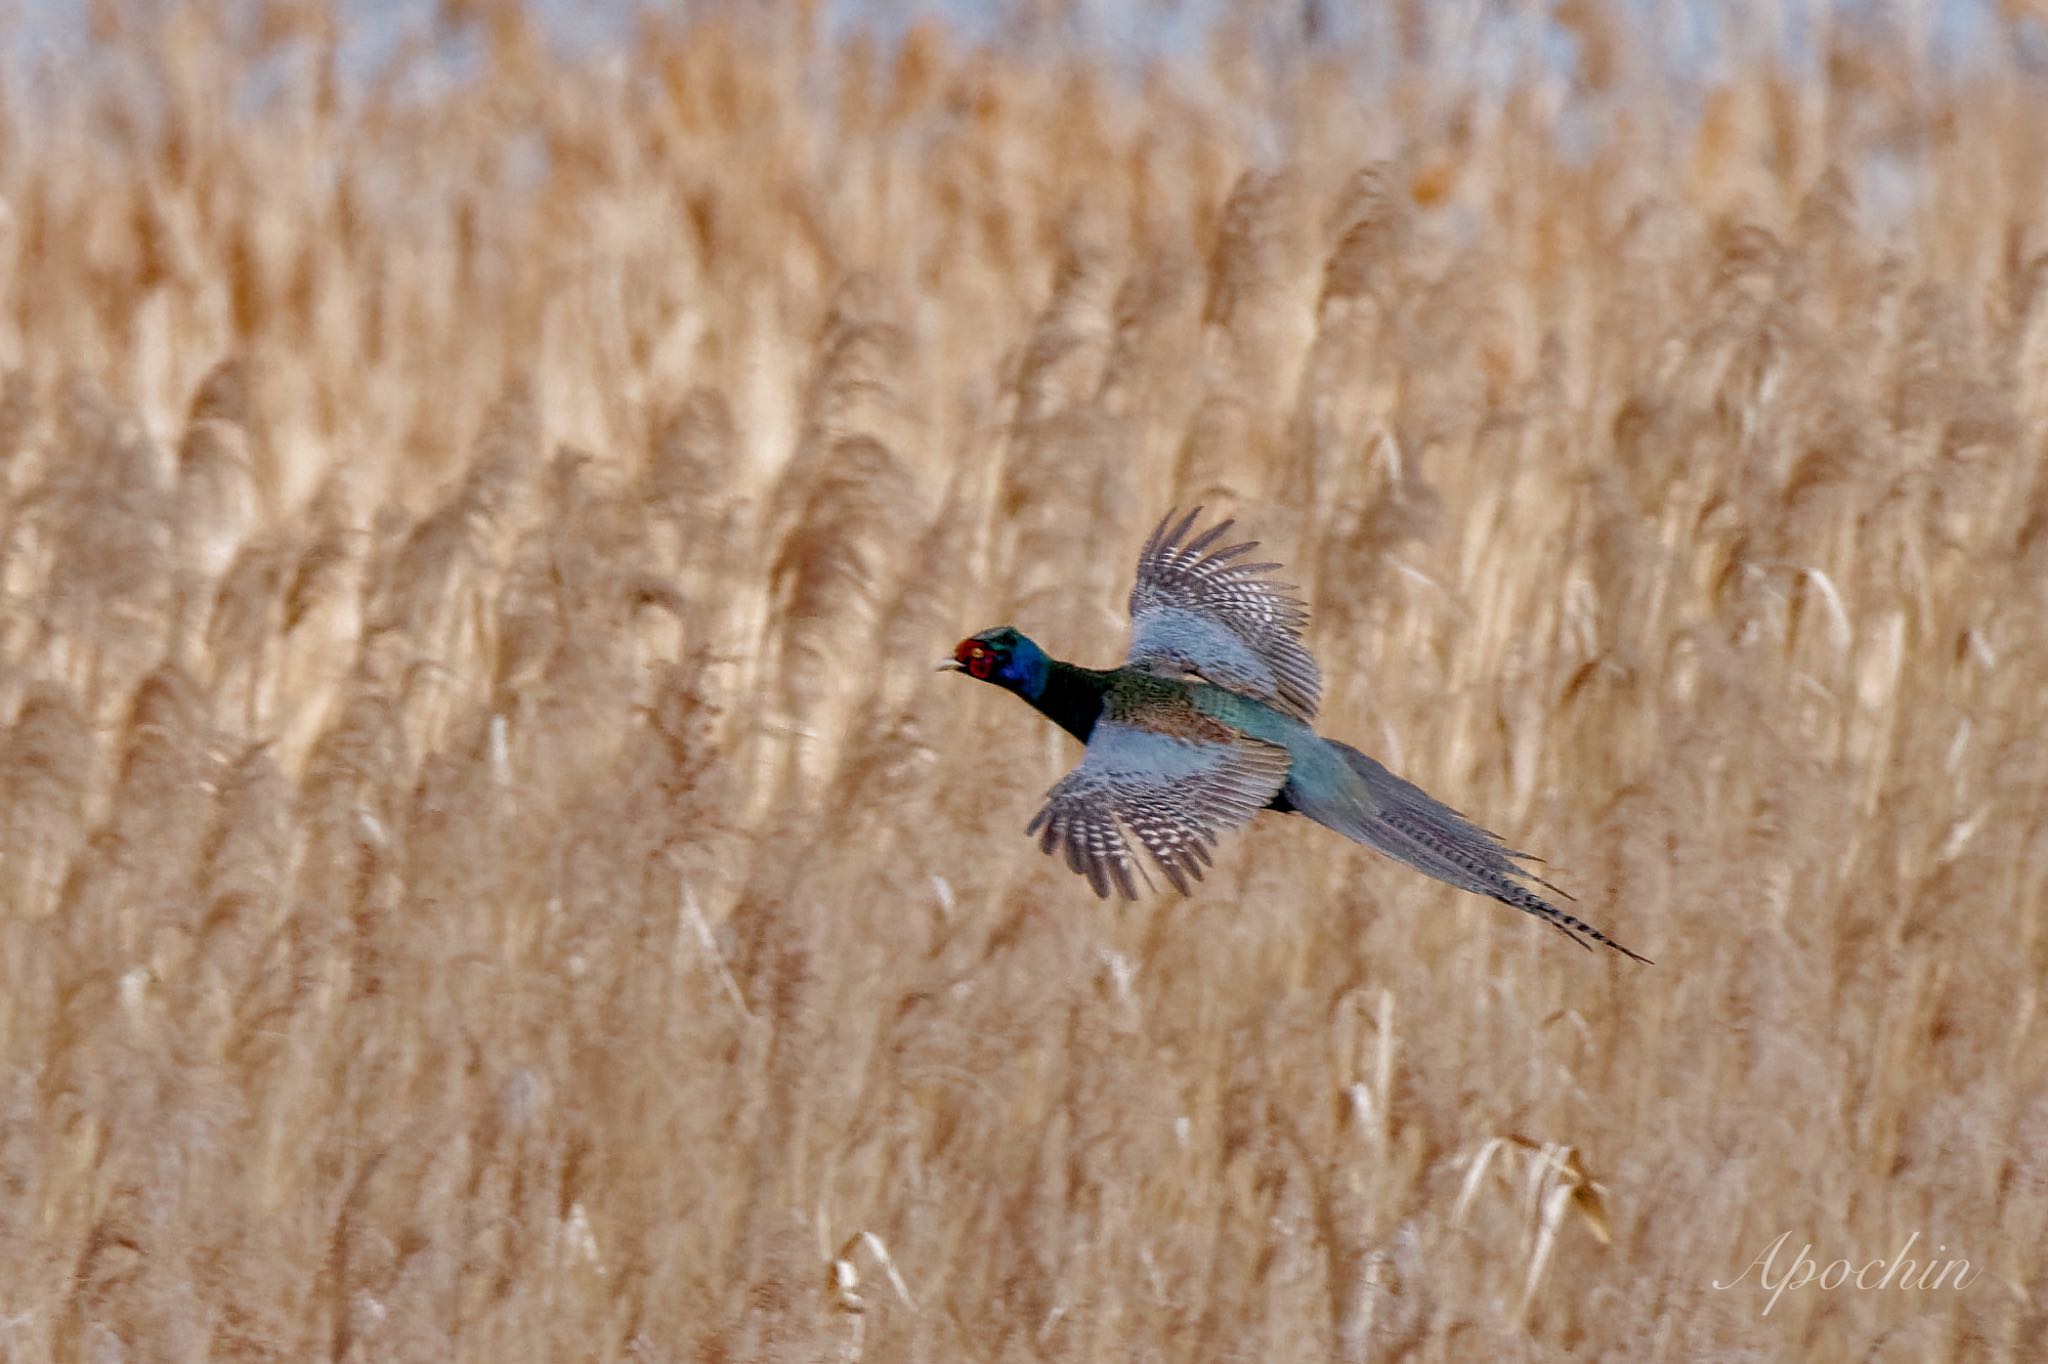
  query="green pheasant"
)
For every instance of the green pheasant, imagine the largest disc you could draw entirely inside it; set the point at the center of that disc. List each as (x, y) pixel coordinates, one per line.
(1208, 722)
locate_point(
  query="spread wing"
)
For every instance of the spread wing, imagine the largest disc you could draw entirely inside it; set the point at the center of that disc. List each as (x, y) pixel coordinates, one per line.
(1200, 610)
(1175, 780)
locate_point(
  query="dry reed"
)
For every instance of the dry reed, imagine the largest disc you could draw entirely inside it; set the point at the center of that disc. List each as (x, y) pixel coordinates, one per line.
(489, 875)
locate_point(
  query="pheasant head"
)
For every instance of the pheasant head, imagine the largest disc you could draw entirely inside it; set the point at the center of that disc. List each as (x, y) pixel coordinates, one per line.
(1004, 656)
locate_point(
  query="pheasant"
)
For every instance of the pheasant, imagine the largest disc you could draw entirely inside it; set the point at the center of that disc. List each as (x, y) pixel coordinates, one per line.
(1209, 721)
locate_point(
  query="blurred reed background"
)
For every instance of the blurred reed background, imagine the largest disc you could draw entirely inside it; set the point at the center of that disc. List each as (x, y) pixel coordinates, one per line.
(488, 873)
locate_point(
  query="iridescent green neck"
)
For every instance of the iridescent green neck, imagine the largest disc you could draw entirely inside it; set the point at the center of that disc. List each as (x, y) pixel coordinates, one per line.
(1071, 697)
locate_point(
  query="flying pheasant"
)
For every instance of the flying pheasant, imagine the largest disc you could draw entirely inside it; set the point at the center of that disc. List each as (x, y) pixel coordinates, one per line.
(1208, 722)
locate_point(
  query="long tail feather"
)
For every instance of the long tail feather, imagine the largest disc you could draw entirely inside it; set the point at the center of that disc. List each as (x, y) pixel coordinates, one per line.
(1406, 823)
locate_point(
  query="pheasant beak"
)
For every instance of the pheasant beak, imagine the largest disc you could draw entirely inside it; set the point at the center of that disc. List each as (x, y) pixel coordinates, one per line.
(950, 665)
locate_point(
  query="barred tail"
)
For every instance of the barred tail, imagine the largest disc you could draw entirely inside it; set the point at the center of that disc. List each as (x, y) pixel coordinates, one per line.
(1406, 823)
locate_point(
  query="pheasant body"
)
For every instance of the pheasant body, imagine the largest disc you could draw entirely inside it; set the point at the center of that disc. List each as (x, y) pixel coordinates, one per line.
(1208, 722)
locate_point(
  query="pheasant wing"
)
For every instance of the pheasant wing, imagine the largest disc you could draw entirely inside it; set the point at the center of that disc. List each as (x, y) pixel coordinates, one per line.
(1199, 609)
(1175, 781)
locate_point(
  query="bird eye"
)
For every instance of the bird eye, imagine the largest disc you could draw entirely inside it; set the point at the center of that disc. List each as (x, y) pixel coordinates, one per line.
(980, 662)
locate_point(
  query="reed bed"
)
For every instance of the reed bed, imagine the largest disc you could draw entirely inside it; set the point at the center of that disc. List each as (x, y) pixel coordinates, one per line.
(489, 873)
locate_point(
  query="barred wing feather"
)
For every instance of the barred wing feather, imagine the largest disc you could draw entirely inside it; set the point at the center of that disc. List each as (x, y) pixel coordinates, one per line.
(1175, 794)
(1197, 609)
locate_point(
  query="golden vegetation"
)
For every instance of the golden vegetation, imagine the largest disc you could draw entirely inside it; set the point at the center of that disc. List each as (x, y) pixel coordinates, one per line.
(489, 873)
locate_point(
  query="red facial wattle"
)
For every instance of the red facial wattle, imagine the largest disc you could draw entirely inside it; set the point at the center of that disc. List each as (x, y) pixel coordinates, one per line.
(977, 658)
